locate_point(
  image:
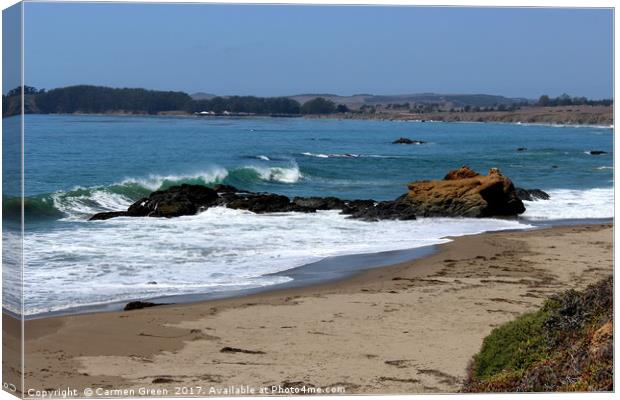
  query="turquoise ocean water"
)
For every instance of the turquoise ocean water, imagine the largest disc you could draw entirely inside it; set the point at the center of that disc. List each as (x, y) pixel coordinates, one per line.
(79, 165)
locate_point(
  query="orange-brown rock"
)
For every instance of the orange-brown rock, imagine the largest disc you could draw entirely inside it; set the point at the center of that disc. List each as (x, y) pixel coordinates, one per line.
(465, 193)
(461, 173)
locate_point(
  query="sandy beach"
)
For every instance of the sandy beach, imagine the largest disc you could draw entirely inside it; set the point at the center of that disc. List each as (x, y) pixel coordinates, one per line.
(406, 328)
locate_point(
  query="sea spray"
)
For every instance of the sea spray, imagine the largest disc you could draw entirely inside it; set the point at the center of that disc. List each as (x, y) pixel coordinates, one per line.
(572, 204)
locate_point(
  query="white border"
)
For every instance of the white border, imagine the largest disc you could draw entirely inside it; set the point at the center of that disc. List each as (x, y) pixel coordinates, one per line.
(445, 3)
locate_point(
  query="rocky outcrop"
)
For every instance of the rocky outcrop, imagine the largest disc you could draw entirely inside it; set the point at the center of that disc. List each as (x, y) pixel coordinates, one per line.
(376, 211)
(319, 203)
(260, 203)
(404, 140)
(462, 193)
(173, 202)
(465, 193)
(461, 173)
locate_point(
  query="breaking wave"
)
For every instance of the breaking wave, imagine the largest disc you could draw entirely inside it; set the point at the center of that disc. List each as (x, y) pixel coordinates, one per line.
(80, 203)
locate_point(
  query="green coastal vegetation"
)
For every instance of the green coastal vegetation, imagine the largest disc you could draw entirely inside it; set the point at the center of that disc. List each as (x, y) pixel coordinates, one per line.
(98, 99)
(567, 345)
(245, 105)
(566, 100)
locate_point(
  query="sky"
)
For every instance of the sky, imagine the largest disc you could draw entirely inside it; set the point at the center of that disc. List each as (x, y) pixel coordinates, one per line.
(284, 50)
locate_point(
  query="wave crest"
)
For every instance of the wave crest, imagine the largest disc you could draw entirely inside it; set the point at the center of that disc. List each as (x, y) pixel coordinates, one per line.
(80, 203)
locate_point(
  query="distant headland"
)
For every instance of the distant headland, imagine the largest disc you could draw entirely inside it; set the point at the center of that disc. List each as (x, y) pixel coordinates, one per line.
(88, 99)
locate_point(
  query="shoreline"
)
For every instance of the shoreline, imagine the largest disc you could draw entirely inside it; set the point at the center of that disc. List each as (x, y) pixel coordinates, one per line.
(445, 117)
(307, 275)
(513, 271)
(327, 270)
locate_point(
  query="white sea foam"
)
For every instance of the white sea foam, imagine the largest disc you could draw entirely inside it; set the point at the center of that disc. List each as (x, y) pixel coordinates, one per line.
(572, 204)
(154, 182)
(11, 270)
(220, 249)
(551, 125)
(77, 207)
(279, 174)
(336, 155)
(317, 155)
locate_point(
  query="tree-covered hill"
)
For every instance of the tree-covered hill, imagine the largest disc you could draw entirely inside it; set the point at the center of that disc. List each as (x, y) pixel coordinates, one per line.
(98, 99)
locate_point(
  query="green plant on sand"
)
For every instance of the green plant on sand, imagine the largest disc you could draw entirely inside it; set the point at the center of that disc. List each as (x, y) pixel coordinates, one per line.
(567, 345)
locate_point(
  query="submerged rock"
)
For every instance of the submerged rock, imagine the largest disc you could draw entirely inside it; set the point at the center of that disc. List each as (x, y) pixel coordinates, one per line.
(404, 140)
(465, 193)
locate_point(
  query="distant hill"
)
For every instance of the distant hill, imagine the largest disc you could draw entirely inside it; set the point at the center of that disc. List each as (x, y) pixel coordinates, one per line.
(358, 100)
(445, 100)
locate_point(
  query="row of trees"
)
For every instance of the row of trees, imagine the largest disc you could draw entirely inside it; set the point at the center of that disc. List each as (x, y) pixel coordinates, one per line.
(266, 105)
(28, 90)
(246, 104)
(99, 99)
(566, 100)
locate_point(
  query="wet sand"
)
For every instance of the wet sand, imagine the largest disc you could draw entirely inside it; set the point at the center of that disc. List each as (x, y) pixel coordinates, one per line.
(407, 328)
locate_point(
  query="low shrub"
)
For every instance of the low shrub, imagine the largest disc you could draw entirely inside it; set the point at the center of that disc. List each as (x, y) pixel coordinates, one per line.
(567, 345)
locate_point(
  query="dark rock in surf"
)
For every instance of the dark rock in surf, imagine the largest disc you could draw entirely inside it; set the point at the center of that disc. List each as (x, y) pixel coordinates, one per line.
(174, 202)
(355, 207)
(260, 203)
(107, 215)
(385, 210)
(137, 305)
(318, 203)
(531, 194)
(404, 140)
(462, 192)
(221, 188)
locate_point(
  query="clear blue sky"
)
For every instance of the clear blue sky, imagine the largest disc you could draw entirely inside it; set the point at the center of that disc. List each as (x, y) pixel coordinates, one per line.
(282, 50)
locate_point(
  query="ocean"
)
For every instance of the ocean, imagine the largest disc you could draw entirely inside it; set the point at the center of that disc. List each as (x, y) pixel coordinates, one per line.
(78, 165)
